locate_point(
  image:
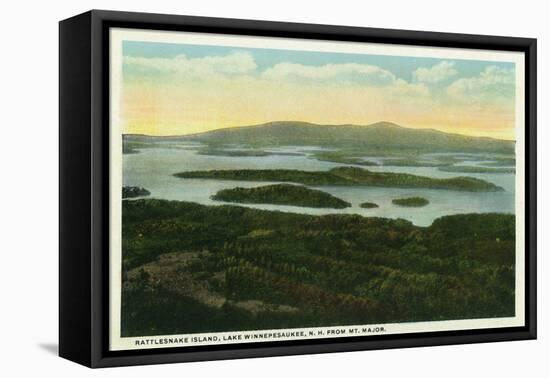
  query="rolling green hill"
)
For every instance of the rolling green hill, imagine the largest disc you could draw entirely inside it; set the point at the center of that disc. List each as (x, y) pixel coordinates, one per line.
(381, 134)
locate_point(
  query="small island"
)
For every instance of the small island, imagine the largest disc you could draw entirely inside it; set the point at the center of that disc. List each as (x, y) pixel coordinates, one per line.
(368, 205)
(477, 169)
(243, 153)
(412, 162)
(411, 202)
(338, 157)
(134, 191)
(347, 176)
(126, 150)
(281, 194)
(232, 153)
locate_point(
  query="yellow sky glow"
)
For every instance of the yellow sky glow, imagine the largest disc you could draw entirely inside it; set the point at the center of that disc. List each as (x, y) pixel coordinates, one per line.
(185, 96)
(172, 110)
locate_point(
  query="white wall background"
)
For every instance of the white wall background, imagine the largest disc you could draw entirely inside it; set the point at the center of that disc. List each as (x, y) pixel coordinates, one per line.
(29, 189)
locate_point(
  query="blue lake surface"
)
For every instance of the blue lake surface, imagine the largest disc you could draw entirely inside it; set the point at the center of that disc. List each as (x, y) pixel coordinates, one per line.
(153, 169)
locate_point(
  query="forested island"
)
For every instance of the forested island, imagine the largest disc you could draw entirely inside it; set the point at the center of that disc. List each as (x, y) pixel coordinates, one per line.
(282, 194)
(134, 191)
(411, 202)
(476, 169)
(242, 152)
(233, 268)
(392, 159)
(350, 176)
(368, 205)
(343, 158)
(126, 149)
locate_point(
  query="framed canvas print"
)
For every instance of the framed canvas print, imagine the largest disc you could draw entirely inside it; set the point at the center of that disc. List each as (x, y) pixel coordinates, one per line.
(234, 188)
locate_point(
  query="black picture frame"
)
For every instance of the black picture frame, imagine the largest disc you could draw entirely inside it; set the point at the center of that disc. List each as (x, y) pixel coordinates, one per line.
(84, 183)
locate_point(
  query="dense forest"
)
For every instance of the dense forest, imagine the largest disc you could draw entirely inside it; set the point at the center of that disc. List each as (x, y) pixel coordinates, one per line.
(411, 201)
(282, 194)
(368, 205)
(349, 176)
(195, 268)
(134, 191)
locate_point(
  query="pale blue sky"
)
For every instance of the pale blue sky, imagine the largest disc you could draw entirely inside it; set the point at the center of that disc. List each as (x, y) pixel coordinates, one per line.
(402, 67)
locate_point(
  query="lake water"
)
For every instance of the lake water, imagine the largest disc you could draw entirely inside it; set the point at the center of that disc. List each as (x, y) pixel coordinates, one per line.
(153, 169)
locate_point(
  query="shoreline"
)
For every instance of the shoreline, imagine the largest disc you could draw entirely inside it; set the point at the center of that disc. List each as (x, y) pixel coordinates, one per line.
(251, 206)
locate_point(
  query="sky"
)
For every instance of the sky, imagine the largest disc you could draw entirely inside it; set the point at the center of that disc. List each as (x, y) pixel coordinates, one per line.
(178, 89)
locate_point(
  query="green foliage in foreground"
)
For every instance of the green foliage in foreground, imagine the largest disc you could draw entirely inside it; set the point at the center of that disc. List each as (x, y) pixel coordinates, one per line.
(282, 194)
(351, 176)
(411, 202)
(368, 205)
(328, 270)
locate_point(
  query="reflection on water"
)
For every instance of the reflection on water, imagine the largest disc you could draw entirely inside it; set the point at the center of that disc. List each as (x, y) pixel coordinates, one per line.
(152, 168)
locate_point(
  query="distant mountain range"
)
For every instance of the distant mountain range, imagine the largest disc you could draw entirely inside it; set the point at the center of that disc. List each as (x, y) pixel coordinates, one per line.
(377, 135)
